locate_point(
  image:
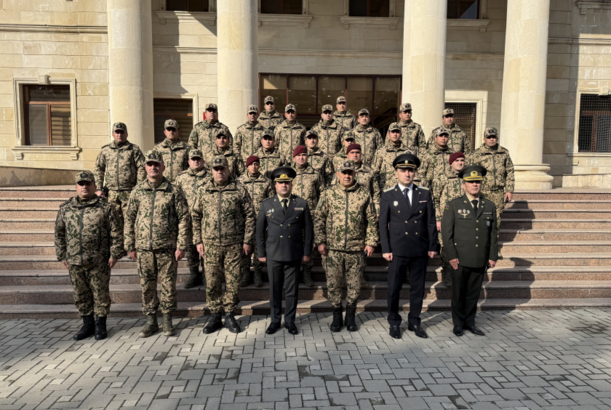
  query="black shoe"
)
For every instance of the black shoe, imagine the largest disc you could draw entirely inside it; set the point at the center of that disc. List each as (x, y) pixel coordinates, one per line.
(258, 278)
(246, 278)
(350, 318)
(273, 328)
(446, 276)
(395, 332)
(100, 328)
(458, 331)
(291, 328)
(337, 323)
(474, 330)
(307, 277)
(195, 278)
(231, 324)
(87, 330)
(419, 331)
(214, 323)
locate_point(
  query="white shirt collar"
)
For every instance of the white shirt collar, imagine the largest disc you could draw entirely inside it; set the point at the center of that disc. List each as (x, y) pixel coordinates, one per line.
(403, 187)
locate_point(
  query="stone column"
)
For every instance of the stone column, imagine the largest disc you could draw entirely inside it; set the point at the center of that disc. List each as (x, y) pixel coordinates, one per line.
(237, 59)
(524, 84)
(424, 53)
(130, 68)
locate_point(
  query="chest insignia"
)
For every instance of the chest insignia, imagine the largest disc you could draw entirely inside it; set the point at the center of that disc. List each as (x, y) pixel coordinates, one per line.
(488, 223)
(396, 203)
(299, 209)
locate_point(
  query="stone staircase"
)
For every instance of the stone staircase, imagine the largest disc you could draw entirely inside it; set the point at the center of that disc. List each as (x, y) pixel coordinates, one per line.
(555, 246)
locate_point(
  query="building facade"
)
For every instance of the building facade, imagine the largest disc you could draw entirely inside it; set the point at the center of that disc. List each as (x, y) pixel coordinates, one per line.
(539, 70)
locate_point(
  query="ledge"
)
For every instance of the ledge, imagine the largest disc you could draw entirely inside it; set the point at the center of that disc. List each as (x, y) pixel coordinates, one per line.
(584, 6)
(390, 22)
(201, 17)
(45, 28)
(285, 20)
(469, 24)
(19, 151)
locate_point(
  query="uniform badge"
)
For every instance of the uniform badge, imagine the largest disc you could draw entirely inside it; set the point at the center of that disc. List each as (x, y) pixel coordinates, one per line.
(396, 203)
(488, 223)
(460, 211)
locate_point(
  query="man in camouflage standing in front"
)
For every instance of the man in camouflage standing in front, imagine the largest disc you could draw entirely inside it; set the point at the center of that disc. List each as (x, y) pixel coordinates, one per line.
(270, 118)
(366, 136)
(385, 156)
(458, 140)
(290, 133)
(342, 116)
(203, 135)
(157, 235)
(412, 135)
(329, 132)
(119, 167)
(89, 242)
(435, 159)
(319, 160)
(248, 136)
(223, 231)
(174, 152)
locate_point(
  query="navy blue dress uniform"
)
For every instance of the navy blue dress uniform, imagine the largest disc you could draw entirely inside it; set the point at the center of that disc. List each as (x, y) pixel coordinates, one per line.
(408, 231)
(290, 236)
(469, 232)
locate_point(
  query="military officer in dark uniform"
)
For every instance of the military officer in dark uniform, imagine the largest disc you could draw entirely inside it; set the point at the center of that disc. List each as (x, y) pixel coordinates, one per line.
(468, 230)
(408, 234)
(290, 236)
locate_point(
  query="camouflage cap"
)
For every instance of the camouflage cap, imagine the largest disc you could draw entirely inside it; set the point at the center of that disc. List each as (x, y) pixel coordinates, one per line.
(347, 165)
(405, 107)
(171, 124)
(472, 173)
(406, 161)
(153, 156)
(220, 161)
(211, 107)
(442, 130)
(84, 176)
(311, 132)
(119, 126)
(195, 153)
(267, 133)
(253, 108)
(394, 127)
(290, 107)
(327, 107)
(491, 131)
(364, 111)
(269, 98)
(448, 111)
(340, 99)
(283, 174)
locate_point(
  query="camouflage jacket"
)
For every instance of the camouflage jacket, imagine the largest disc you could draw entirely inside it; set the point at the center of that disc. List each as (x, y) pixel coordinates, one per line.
(175, 156)
(499, 166)
(346, 219)
(308, 184)
(88, 232)
(345, 119)
(370, 140)
(382, 163)
(434, 164)
(446, 188)
(329, 136)
(412, 136)
(236, 165)
(270, 120)
(322, 163)
(288, 136)
(157, 218)
(270, 160)
(189, 181)
(457, 141)
(248, 139)
(259, 188)
(120, 167)
(339, 158)
(367, 177)
(223, 215)
(204, 134)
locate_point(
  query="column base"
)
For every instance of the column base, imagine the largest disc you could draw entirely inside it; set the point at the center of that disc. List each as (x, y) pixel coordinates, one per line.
(533, 177)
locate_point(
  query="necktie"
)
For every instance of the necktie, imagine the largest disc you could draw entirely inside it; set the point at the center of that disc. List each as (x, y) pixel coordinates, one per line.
(284, 205)
(474, 202)
(406, 193)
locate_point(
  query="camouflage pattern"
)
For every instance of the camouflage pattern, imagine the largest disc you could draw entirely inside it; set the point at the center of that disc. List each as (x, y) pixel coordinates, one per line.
(339, 158)
(219, 259)
(341, 267)
(270, 120)
(383, 160)
(270, 160)
(120, 201)
(248, 139)
(345, 119)
(446, 188)
(175, 157)
(367, 177)
(90, 284)
(119, 168)
(369, 139)
(498, 163)
(458, 141)
(498, 198)
(234, 160)
(330, 136)
(322, 163)
(434, 163)
(308, 185)
(189, 181)
(412, 136)
(288, 136)
(204, 134)
(157, 218)
(157, 267)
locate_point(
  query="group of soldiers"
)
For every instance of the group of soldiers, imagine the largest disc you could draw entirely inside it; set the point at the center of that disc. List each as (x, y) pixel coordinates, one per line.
(227, 202)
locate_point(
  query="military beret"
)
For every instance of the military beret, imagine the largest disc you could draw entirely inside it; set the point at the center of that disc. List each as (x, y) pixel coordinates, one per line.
(251, 159)
(171, 124)
(211, 107)
(85, 176)
(290, 107)
(448, 111)
(394, 127)
(220, 161)
(283, 174)
(352, 147)
(195, 153)
(153, 156)
(347, 165)
(269, 98)
(442, 130)
(300, 149)
(491, 131)
(327, 107)
(364, 111)
(406, 161)
(341, 98)
(473, 173)
(455, 156)
(253, 108)
(119, 126)
(405, 107)
(312, 132)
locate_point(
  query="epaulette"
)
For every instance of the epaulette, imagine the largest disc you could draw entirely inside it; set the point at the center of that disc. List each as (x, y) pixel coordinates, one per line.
(389, 189)
(422, 187)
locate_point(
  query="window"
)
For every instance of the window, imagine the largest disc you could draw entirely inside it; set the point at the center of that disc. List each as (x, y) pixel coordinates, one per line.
(47, 115)
(179, 109)
(187, 5)
(281, 6)
(594, 123)
(465, 118)
(370, 8)
(463, 9)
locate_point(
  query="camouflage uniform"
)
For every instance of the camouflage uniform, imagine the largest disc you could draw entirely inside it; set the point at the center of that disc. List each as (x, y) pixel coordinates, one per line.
(340, 158)
(330, 136)
(434, 164)
(88, 234)
(367, 177)
(288, 136)
(248, 139)
(270, 120)
(203, 133)
(382, 163)
(157, 223)
(457, 141)
(322, 163)
(270, 160)
(345, 119)
(236, 165)
(412, 136)
(175, 157)
(369, 139)
(223, 220)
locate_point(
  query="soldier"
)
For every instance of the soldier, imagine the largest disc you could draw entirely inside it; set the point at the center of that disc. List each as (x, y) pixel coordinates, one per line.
(89, 242)
(222, 147)
(286, 219)
(368, 137)
(341, 156)
(408, 235)
(248, 135)
(259, 188)
(345, 232)
(269, 156)
(157, 235)
(435, 160)
(342, 115)
(447, 188)
(190, 181)
(175, 153)
(203, 135)
(458, 140)
(386, 155)
(119, 167)
(319, 160)
(412, 135)
(329, 131)
(223, 230)
(270, 118)
(469, 233)
(289, 133)
(500, 180)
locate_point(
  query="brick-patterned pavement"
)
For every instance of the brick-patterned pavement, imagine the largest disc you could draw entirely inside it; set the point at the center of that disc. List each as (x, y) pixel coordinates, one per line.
(548, 359)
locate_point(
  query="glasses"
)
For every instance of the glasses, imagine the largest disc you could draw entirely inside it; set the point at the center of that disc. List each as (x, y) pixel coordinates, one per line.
(489, 137)
(269, 103)
(349, 140)
(290, 112)
(218, 169)
(119, 132)
(83, 183)
(449, 116)
(347, 172)
(209, 110)
(341, 103)
(407, 112)
(312, 137)
(221, 137)
(268, 138)
(327, 112)
(171, 129)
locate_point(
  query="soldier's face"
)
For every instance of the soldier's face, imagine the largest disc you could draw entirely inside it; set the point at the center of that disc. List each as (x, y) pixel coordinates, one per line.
(253, 116)
(196, 163)
(85, 189)
(448, 119)
(355, 155)
(172, 133)
(212, 115)
(220, 174)
(326, 116)
(442, 140)
(154, 170)
(301, 159)
(348, 141)
(458, 164)
(267, 142)
(290, 115)
(345, 178)
(394, 136)
(472, 187)
(364, 119)
(311, 141)
(405, 175)
(284, 188)
(341, 106)
(491, 140)
(254, 168)
(270, 106)
(405, 115)
(119, 136)
(222, 141)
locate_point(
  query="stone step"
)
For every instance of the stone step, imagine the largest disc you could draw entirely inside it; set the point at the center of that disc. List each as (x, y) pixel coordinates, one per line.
(533, 235)
(540, 224)
(19, 224)
(564, 194)
(554, 246)
(557, 213)
(559, 204)
(555, 259)
(28, 235)
(27, 248)
(30, 203)
(24, 213)
(56, 191)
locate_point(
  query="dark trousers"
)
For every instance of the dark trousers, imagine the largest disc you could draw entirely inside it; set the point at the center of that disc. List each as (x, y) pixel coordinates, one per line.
(397, 269)
(466, 287)
(283, 274)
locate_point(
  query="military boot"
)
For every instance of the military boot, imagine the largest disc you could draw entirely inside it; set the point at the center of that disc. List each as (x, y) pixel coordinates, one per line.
(307, 277)
(231, 324)
(100, 328)
(246, 277)
(87, 330)
(195, 278)
(258, 277)
(337, 323)
(351, 318)
(364, 284)
(446, 276)
(150, 327)
(214, 323)
(168, 329)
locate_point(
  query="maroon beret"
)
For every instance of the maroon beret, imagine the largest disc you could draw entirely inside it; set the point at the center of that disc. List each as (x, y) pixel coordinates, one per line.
(455, 156)
(353, 146)
(301, 149)
(251, 159)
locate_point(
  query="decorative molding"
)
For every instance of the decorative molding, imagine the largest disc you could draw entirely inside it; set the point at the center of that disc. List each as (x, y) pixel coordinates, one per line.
(390, 22)
(585, 6)
(480, 98)
(20, 151)
(46, 28)
(194, 97)
(284, 20)
(468, 24)
(184, 50)
(200, 17)
(603, 40)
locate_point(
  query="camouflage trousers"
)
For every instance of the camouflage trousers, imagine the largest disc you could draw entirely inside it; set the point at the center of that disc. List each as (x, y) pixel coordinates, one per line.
(119, 199)
(216, 259)
(91, 288)
(339, 265)
(194, 260)
(498, 198)
(154, 267)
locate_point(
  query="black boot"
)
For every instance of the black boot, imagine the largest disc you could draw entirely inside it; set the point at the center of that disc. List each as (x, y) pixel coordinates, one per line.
(307, 277)
(100, 328)
(446, 276)
(258, 277)
(214, 323)
(350, 318)
(231, 324)
(246, 277)
(337, 324)
(195, 278)
(88, 328)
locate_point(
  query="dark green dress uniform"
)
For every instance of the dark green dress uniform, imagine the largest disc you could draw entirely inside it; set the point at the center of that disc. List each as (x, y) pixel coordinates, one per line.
(469, 233)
